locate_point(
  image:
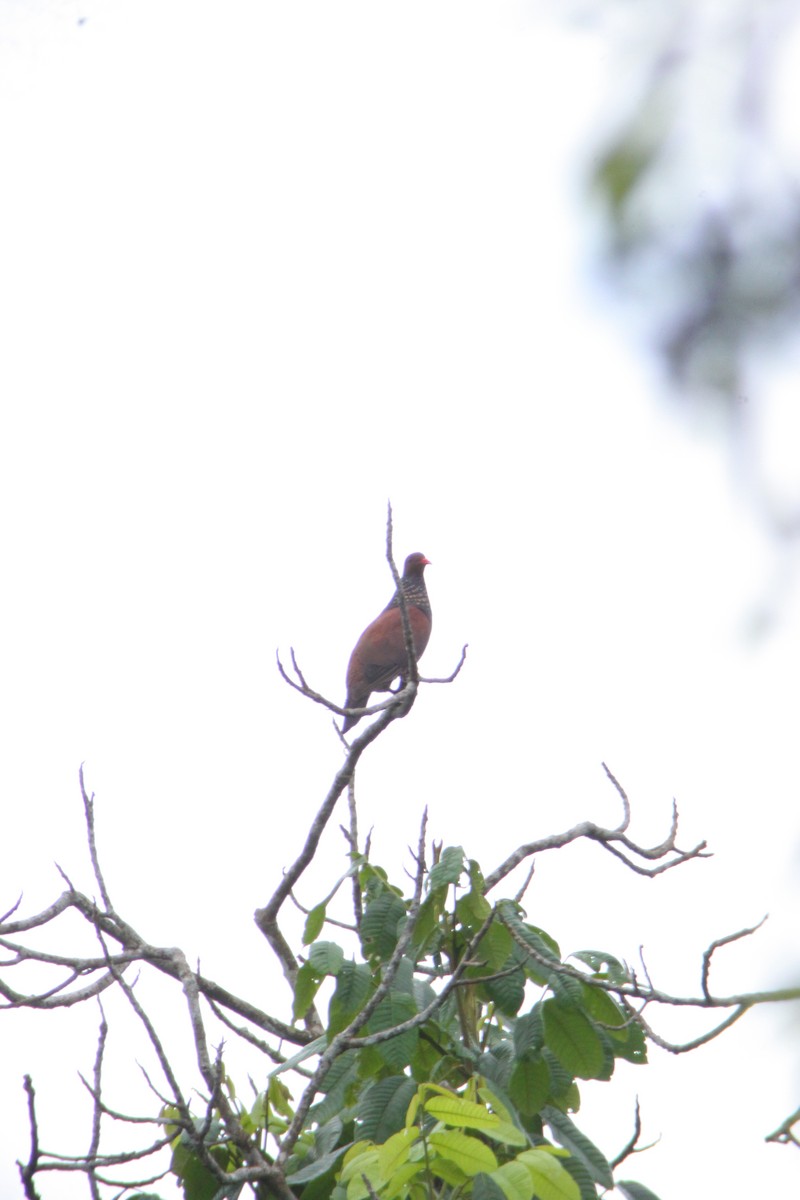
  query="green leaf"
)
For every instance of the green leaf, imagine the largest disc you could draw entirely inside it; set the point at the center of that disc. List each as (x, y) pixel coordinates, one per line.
(446, 1169)
(353, 985)
(393, 1010)
(306, 985)
(365, 1165)
(395, 1151)
(566, 1132)
(541, 945)
(427, 933)
(550, 1180)
(404, 977)
(382, 1107)
(314, 923)
(279, 1096)
(498, 1104)
(401, 1178)
(197, 1181)
(476, 880)
(472, 910)
(338, 1084)
(468, 1153)
(319, 1166)
(326, 958)
(530, 1085)
(464, 1114)
(560, 1078)
(586, 1186)
(528, 1033)
(604, 965)
(379, 925)
(506, 991)
(497, 947)
(448, 869)
(488, 1187)
(541, 936)
(507, 1133)
(603, 1008)
(497, 1064)
(635, 1048)
(635, 1191)
(567, 990)
(515, 1179)
(571, 1037)
(327, 1137)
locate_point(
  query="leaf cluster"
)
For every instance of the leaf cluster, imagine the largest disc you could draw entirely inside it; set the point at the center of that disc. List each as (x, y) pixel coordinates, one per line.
(465, 1077)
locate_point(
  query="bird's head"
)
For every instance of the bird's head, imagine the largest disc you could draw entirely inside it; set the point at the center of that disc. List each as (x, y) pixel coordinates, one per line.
(415, 564)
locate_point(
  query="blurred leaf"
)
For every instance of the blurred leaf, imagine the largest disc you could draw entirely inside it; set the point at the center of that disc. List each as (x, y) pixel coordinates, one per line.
(635, 1191)
(353, 986)
(567, 1133)
(448, 870)
(314, 923)
(550, 1180)
(379, 925)
(326, 958)
(382, 1108)
(530, 1085)
(571, 1037)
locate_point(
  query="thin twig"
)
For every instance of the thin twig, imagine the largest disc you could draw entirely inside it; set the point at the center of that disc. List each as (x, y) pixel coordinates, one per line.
(97, 1115)
(630, 1145)
(88, 808)
(29, 1169)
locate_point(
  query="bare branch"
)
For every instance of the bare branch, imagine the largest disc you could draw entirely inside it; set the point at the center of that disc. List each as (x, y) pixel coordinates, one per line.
(448, 678)
(630, 1146)
(248, 1036)
(29, 1169)
(652, 995)
(610, 840)
(305, 690)
(11, 911)
(724, 941)
(88, 808)
(785, 1132)
(97, 1115)
(685, 1047)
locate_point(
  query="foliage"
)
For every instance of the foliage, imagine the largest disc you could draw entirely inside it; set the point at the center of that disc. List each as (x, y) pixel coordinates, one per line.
(469, 1069)
(456, 1045)
(695, 189)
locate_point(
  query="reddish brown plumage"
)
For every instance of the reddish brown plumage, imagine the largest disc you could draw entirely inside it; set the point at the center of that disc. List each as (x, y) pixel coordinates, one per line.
(380, 653)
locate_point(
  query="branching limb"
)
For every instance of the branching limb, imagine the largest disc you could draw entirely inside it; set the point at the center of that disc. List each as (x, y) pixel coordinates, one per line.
(135, 949)
(724, 941)
(635, 990)
(632, 1145)
(785, 1133)
(611, 840)
(448, 678)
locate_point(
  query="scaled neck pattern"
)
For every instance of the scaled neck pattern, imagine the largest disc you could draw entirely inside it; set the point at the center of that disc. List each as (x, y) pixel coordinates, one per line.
(416, 595)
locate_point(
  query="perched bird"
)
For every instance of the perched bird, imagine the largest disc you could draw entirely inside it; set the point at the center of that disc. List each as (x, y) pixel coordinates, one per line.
(380, 654)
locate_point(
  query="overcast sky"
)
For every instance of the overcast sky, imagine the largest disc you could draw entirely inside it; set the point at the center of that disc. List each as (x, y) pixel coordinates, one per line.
(265, 266)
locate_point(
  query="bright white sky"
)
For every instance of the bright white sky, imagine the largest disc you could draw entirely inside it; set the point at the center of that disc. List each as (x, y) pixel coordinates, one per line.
(265, 266)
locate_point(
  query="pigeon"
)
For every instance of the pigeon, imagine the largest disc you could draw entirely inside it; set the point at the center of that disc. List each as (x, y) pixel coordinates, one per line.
(380, 653)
